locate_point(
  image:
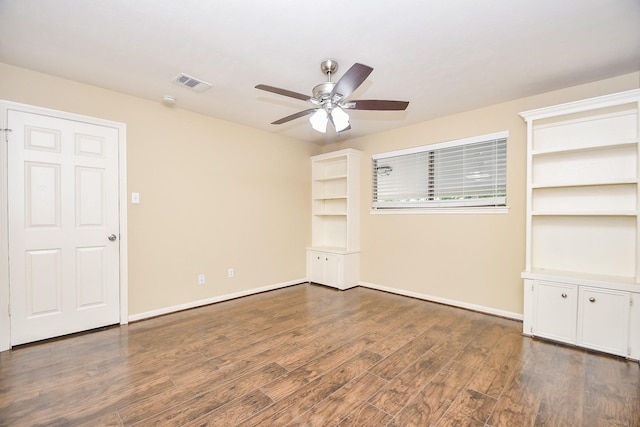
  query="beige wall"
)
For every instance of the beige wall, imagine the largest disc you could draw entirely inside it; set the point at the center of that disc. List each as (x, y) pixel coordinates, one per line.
(217, 195)
(213, 194)
(473, 259)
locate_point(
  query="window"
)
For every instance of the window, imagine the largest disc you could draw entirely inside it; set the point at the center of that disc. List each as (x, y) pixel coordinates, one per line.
(466, 172)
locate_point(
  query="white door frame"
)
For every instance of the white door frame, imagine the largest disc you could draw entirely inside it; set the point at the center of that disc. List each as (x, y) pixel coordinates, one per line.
(5, 106)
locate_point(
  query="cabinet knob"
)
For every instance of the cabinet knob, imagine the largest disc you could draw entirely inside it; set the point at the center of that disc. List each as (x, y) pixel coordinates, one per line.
(592, 299)
(318, 257)
(326, 259)
(564, 295)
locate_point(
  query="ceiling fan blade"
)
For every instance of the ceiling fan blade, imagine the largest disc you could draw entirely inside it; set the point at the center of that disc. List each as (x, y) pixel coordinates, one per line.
(283, 92)
(351, 80)
(374, 104)
(295, 116)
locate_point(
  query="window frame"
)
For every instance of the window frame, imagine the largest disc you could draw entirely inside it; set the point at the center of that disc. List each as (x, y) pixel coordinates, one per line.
(463, 206)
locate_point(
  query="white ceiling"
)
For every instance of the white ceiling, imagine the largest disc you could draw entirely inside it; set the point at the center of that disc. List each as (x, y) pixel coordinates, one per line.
(441, 56)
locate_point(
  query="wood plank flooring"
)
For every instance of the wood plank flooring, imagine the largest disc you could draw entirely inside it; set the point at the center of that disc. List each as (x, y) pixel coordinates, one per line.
(309, 355)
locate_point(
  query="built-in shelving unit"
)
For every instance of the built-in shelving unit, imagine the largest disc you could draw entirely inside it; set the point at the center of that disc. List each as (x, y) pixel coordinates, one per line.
(333, 258)
(582, 227)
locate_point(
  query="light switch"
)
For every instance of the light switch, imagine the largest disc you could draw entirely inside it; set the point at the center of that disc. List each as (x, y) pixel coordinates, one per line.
(135, 197)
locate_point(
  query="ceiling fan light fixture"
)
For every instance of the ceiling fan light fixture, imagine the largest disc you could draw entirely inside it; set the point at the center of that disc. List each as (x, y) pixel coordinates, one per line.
(340, 119)
(319, 120)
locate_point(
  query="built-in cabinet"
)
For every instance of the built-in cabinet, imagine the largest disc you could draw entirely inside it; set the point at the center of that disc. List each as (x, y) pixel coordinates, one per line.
(333, 258)
(592, 317)
(582, 228)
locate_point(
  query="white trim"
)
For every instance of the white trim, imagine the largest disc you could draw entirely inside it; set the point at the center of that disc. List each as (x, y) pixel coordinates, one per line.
(332, 154)
(627, 284)
(454, 303)
(124, 224)
(5, 325)
(5, 106)
(454, 143)
(431, 211)
(213, 300)
(582, 105)
(428, 204)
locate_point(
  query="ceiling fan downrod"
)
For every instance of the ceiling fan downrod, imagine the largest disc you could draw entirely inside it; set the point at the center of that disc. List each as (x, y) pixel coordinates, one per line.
(322, 91)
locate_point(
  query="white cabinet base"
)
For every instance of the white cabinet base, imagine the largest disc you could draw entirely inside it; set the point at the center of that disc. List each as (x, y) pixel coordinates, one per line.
(593, 314)
(333, 268)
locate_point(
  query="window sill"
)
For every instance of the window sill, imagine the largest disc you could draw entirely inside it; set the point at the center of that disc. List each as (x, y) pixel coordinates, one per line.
(473, 210)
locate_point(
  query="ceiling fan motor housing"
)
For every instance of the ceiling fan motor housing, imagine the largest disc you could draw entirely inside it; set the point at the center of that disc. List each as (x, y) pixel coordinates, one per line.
(322, 91)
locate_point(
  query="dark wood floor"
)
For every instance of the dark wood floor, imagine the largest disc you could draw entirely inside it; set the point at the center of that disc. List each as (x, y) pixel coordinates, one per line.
(309, 355)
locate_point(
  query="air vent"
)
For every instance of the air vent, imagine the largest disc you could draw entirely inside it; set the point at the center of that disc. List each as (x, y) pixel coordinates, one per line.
(191, 82)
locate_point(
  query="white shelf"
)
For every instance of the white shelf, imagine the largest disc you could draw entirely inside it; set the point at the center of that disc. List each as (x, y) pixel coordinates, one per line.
(583, 213)
(340, 250)
(330, 178)
(623, 283)
(586, 183)
(595, 147)
(331, 198)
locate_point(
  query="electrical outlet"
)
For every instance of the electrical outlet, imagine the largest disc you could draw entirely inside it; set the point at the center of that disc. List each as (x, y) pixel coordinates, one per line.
(230, 272)
(201, 279)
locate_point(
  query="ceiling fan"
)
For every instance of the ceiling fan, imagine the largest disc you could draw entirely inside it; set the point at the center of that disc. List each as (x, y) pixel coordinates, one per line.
(330, 99)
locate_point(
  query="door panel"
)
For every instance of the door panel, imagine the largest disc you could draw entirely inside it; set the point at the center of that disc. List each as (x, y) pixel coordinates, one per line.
(90, 204)
(316, 267)
(90, 276)
(604, 320)
(42, 195)
(332, 276)
(555, 306)
(63, 205)
(44, 282)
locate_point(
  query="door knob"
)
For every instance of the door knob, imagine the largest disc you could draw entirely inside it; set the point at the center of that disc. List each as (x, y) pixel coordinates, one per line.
(112, 237)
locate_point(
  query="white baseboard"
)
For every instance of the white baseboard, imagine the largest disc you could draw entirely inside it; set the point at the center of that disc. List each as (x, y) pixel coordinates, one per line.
(454, 303)
(207, 301)
(200, 303)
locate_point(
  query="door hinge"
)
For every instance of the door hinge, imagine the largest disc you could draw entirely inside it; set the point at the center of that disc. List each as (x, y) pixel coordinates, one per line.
(9, 309)
(6, 133)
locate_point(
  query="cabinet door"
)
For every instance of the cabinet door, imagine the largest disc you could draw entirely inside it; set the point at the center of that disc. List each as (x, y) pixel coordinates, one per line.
(555, 311)
(603, 320)
(333, 270)
(316, 267)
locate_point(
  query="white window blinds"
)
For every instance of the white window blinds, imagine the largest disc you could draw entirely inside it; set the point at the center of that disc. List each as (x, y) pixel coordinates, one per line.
(467, 172)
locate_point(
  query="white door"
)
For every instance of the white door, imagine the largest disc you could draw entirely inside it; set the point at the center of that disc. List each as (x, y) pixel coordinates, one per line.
(555, 306)
(603, 320)
(332, 270)
(63, 207)
(316, 267)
